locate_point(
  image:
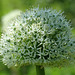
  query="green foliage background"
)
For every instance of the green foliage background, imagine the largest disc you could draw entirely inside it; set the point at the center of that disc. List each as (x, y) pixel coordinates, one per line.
(68, 6)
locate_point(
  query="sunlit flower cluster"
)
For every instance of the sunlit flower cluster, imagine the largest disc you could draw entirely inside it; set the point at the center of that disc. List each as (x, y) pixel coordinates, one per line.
(8, 17)
(39, 37)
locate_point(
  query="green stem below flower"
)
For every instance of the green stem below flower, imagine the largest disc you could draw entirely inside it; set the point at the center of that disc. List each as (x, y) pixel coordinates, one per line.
(40, 70)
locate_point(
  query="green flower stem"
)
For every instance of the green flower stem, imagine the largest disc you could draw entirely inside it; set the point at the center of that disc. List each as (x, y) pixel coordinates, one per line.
(40, 70)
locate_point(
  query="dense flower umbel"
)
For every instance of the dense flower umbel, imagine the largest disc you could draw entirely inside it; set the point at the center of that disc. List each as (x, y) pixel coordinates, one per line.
(39, 37)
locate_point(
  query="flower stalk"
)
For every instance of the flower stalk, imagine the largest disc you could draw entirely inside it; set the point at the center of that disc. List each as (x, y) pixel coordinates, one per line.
(40, 70)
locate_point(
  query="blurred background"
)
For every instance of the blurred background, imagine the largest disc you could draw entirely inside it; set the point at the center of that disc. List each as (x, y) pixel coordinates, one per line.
(12, 8)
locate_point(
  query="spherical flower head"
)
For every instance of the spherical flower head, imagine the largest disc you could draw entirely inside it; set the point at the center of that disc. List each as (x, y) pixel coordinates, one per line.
(39, 37)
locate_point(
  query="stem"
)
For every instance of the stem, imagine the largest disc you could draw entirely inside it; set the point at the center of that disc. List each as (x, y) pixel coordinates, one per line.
(40, 70)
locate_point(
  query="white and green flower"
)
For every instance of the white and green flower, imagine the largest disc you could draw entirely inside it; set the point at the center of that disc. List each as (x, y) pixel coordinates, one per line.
(39, 37)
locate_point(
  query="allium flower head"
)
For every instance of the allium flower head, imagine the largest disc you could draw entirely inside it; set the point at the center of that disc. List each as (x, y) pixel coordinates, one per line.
(39, 37)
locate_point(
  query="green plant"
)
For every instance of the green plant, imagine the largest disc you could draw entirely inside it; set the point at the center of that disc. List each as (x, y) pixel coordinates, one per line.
(39, 37)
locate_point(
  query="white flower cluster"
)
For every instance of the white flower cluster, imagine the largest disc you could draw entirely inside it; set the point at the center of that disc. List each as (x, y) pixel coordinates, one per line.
(39, 37)
(8, 17)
